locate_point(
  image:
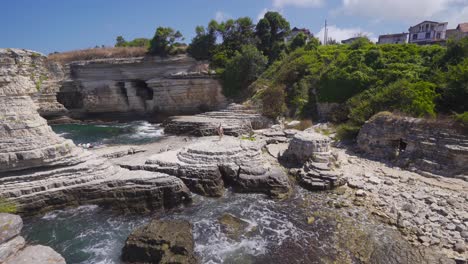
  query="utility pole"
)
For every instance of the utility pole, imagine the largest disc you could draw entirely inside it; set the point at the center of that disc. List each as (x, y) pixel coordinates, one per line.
(325, 34)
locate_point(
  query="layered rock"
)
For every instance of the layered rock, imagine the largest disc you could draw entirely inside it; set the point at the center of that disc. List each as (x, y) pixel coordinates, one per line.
(13, 248)
(210, 164)
(41, 171)
(312, 152)
(161, 242)
(235, 120)
(177, 84)
(417, 144)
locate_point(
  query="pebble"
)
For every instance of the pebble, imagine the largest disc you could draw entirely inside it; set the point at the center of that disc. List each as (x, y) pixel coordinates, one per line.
(374, 180)
(361, 193)
(459, 246)
(450, 226)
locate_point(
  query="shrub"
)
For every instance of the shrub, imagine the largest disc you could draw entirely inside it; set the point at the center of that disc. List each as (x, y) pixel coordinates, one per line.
(272, 99)
(347, 131)
(462, 119)
(242, 70)
(7, 206)
(97, 53)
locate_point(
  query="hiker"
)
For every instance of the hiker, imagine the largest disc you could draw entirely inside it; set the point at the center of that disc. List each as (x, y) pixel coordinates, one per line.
(220, 131)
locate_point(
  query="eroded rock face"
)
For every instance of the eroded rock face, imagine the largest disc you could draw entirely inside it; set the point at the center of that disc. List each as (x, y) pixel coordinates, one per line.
(42, 171)
(235, 120)
(13, 248)
(416, 144)
(311, 151)
(208, 165)
(173, 85)
(161, 242)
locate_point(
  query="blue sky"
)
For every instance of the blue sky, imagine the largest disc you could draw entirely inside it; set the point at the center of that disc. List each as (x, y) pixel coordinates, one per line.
(61, 25)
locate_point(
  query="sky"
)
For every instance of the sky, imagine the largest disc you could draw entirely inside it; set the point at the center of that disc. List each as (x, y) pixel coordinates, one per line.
(60, 25)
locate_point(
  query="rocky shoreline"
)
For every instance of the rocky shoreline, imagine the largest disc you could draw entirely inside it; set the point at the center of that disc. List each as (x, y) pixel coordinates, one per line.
(41, 171)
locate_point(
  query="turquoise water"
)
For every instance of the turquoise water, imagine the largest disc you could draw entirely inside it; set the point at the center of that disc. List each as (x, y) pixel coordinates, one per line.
(137, 132)
(278, 231)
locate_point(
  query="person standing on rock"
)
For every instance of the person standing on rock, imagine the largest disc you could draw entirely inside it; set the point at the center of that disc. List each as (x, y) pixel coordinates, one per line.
(220, 131)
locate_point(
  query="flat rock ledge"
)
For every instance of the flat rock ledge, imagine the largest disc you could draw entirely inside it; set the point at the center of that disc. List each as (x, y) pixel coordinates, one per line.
(13, 248)
(161, 242)
(41, 171)
(311, 152)
(210, 164)
(235, 120)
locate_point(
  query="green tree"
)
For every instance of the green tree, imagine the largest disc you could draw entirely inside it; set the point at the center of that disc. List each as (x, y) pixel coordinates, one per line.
(203, 43)
(270, 30)
(242, 70)
(120, 42)
(299, 41)
(236, 33)
(164, 40)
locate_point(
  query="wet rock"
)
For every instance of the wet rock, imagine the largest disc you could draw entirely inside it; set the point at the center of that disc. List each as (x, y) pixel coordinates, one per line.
(208, 165)
(232, 226)
(10, 248)
(36, 254)
(10, 226)
(161, 242)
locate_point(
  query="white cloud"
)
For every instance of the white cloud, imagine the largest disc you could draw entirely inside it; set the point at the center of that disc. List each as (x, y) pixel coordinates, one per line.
(408, 10)
(297, 3)
(220, 16)
(340, 34)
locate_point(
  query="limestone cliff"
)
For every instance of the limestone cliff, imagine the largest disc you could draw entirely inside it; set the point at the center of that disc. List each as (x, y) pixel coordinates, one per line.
(171, 85)
(40, 170)
(417, 144)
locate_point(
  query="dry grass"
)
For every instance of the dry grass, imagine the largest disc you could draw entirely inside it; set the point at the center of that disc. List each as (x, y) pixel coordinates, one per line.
(97, 53)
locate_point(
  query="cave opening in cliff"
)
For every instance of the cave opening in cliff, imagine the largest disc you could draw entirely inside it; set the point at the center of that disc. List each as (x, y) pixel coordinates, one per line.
(123, 90)
(402, 145)
(143, 91)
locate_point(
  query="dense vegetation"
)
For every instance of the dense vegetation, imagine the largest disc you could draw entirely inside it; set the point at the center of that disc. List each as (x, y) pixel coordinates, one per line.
(366, 78)
(291, 76)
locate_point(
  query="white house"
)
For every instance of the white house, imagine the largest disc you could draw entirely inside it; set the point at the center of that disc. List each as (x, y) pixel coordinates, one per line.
(428, 32)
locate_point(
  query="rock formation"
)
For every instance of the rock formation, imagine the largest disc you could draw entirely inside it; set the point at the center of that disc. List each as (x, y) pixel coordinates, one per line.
(177, 84)
(41, 171)
(210, 164)
(13, 248)
(312, 151)
(417, 144)
(235, 120)
(161, 242)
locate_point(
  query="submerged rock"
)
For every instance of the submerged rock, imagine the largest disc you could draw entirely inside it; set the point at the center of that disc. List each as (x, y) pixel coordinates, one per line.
(42, 171)
(232, 226)
(161, 242)
(208, 165)
(13, 248)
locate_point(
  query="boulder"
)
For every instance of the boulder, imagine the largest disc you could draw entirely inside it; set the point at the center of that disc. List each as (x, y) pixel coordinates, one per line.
(312, 152)
(13, 248)
(429, 146)
(10, 226)
(36, 254)
(211, 163)
(308, 145)
(168, 241)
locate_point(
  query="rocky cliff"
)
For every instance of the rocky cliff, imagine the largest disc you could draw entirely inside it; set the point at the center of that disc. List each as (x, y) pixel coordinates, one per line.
(172, 85)
(40, 170)
(417, 144)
